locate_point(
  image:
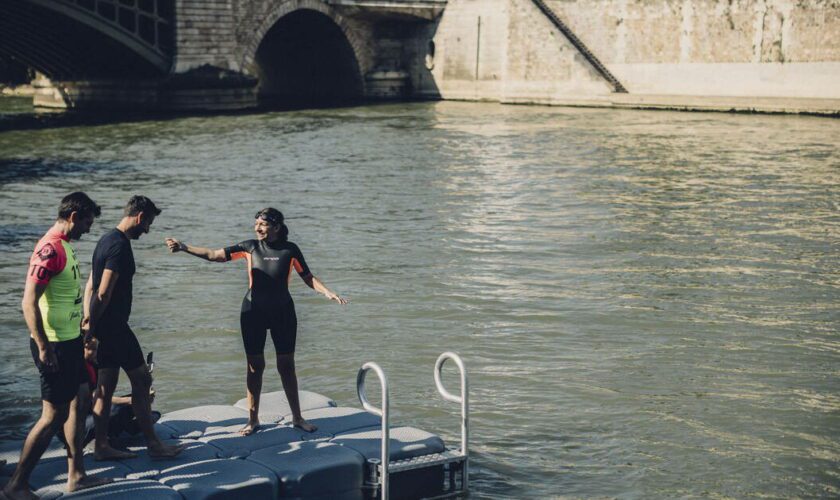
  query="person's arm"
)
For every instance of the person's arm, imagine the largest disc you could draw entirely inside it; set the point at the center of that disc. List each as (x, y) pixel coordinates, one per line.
(126, 400)
(45, 263)
(201, 252)
(121, 400)
(299, 263)
(86, 307)
(314, 283)
(115, 400)
(32, 315)
(101, 298)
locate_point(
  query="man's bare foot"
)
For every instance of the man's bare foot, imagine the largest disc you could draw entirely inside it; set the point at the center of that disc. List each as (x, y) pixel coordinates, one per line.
(164, 451)
(85, 482)
(17, 494)
(304, 425)
(250, 428)
(110, 453)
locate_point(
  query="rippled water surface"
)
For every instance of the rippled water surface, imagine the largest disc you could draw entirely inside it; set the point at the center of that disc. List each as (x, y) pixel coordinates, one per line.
(647, 302)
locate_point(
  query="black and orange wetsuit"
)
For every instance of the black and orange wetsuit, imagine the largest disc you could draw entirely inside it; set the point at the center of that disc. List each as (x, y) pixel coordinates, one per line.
(268, 304)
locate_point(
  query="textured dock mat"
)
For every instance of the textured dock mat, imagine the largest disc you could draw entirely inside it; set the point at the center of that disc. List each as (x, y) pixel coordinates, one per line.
(277, 461)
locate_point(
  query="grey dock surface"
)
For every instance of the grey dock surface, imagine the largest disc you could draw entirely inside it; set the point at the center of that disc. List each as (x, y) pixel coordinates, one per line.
(278, 461)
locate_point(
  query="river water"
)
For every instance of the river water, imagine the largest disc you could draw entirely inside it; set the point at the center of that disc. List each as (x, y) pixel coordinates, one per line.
(647, 302)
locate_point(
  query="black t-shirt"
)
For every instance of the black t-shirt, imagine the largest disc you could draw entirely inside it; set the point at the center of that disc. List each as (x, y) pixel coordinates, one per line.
(269, 269)
(114, 252)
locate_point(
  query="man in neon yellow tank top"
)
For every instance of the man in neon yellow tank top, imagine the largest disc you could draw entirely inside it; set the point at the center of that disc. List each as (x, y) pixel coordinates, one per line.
(52, 308)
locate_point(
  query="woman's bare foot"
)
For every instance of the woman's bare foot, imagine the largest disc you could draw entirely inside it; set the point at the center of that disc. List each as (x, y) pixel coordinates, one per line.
(303, 425)
(250, 428)
(109, 453)
(85, 482)
(161, 450)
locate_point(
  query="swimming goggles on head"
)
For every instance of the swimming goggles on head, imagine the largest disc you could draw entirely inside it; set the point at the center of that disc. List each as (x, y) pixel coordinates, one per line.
(270, 219)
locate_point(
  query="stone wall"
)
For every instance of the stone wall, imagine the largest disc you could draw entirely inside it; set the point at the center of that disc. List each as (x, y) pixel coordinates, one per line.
(204, 34)
(748, 48)
(706, 31)
(783, 48)
(509, 51)
(504, 50)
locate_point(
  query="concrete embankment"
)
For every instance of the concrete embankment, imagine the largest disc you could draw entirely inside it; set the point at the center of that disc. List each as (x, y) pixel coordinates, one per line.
(749, 55)
(17, 90)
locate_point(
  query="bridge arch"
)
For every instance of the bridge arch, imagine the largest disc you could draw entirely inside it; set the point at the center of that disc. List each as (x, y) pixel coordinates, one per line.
(306, 53)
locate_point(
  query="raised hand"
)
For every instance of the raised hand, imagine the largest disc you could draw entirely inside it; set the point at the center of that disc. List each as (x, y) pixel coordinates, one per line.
(174, 245)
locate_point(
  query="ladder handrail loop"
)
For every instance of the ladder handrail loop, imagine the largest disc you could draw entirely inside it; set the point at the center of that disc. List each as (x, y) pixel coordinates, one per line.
(463, 399)
(381, 412)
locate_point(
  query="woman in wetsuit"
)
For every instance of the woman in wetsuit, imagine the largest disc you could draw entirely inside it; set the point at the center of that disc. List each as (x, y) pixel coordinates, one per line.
(267, 305)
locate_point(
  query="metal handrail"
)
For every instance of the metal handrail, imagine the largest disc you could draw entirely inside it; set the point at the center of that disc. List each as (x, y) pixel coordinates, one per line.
(383, 412)
(463, 399)
(151, 51)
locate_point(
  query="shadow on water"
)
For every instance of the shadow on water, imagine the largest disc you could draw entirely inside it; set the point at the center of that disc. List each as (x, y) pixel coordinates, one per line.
(17, 170)
(19, 236)
(38, 120)
(14, 234)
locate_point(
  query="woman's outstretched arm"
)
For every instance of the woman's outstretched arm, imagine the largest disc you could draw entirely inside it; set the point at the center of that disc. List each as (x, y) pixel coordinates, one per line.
(204, 253)
(314, 283)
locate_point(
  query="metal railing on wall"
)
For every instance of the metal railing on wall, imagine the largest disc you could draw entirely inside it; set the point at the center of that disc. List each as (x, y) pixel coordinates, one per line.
(146, 25)
(149, 20)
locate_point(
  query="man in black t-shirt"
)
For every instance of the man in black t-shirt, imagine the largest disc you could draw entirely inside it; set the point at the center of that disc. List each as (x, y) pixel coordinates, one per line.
(107, 308)
(119, 347)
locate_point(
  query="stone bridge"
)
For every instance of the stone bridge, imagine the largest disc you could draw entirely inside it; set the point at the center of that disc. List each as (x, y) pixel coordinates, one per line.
(772, 55)
(213, 54)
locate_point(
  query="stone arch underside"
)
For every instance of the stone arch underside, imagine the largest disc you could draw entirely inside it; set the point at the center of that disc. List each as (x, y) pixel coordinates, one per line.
(63, 48)
(305, 54)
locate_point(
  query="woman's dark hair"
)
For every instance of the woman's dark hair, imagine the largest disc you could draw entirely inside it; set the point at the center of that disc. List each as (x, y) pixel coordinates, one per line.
(80, 203)
(275, 218)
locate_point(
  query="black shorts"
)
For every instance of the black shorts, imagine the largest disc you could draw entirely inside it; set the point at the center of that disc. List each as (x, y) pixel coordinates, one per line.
(118, 347)
(281, 320)
(61, 386)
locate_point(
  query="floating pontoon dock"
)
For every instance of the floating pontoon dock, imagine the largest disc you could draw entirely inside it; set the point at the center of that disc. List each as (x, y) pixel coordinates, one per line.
(354, 454)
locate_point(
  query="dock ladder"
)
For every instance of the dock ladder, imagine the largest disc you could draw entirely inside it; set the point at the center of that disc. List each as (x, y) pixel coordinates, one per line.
(455, 461)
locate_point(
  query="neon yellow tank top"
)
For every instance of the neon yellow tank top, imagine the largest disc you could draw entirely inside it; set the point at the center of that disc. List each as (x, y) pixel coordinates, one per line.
(61, 303)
